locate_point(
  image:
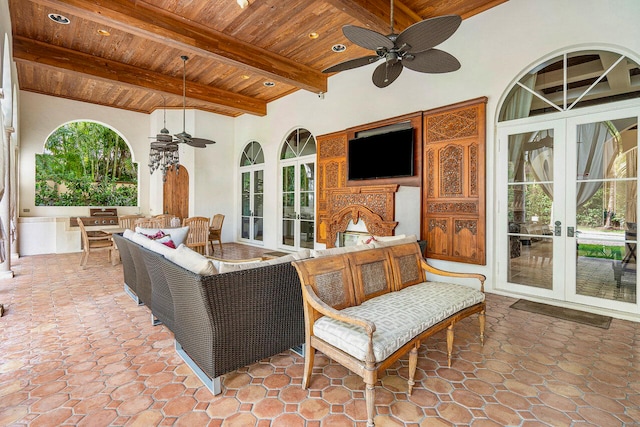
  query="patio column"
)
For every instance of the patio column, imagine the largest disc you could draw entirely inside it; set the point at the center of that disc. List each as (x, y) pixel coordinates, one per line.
(5, 207)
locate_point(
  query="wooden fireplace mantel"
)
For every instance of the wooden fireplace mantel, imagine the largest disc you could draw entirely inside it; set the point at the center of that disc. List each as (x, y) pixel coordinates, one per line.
(375, 205)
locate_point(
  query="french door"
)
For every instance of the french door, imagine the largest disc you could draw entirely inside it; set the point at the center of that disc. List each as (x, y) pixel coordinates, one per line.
(251, 221)
(297, 180)
(567, 210)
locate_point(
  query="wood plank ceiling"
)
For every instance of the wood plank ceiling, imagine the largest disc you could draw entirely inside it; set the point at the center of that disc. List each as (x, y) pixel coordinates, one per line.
(232, 51)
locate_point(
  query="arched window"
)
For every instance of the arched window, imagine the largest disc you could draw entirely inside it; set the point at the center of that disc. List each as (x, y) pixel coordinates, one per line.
(572, 80)
(252, 196)
(297, 183)
(298, 143)
(86, 164)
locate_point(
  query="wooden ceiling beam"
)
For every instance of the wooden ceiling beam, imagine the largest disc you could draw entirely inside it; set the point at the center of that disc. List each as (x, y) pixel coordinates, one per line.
(145, 20)
(28, 50)
(376, 14)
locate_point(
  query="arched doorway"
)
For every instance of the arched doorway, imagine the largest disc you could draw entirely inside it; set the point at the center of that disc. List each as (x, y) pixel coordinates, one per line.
(175, 193)
(297, 190)
(567, 179)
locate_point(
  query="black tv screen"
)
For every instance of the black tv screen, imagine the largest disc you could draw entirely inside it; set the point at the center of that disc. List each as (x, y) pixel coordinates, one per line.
(385, 155)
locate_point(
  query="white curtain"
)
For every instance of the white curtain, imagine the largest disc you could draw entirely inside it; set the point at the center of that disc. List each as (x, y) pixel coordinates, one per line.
(596, 150)
(519, 107)
(631, 214)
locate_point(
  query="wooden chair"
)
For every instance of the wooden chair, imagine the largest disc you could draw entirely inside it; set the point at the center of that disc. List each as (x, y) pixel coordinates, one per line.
(198, 232)
(128, 221)
(95, 241)
(148, 223)
(165, 220)
(215, 231)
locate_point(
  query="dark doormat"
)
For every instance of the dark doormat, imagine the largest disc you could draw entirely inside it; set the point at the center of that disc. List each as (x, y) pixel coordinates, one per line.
(571, 315)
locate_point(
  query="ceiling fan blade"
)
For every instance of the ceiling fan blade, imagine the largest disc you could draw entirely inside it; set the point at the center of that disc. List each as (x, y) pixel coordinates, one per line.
(366, 38)
(431, 61)
(202, 142)
(182, 136)
(426, 34)
(386, 73)
(195, 144)
(352, 63)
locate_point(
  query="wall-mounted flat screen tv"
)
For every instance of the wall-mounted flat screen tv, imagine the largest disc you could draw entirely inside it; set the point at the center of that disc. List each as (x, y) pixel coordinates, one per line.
(384, 155)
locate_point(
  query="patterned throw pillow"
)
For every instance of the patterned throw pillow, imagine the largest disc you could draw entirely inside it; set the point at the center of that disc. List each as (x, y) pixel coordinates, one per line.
(161, 237)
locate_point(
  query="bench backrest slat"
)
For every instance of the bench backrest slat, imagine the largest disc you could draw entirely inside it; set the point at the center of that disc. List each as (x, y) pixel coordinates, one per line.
(330, 278)
(372, 275)
(406, 264)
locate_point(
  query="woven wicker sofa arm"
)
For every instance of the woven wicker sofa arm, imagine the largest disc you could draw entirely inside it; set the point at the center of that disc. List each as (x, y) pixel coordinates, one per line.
(430, 269)
(314, 301)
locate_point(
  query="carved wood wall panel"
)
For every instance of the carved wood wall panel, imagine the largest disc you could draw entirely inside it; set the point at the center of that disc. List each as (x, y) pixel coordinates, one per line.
(453, 205)
(374, 204)
(332, 174)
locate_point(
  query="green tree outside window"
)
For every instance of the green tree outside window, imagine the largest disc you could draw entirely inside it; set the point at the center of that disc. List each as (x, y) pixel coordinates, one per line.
(86, 164)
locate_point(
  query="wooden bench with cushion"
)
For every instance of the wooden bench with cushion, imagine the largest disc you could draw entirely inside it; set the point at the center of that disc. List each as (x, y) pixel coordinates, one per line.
(367, 309)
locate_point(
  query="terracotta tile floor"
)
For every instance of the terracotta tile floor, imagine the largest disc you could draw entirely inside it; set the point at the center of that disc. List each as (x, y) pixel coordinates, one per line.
(75, 350)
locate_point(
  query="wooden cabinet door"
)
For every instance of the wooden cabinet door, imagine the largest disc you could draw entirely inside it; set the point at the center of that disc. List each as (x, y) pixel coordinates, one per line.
(453, 211)
(332, 174)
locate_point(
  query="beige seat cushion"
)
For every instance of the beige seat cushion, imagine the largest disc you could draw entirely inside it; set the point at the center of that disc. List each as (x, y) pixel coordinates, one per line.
(399, 316)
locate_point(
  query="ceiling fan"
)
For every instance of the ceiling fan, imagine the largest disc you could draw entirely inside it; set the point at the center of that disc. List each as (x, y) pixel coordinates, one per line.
(164, 140)
(184, 136)
(412, 48)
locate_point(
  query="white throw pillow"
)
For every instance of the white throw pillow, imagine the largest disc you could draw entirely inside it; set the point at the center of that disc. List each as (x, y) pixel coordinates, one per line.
(394, 242)
(192, 261)
(140, 239)
(302, 254)
(226, 267)
(178, 235)
(155, 246)
(338, 251)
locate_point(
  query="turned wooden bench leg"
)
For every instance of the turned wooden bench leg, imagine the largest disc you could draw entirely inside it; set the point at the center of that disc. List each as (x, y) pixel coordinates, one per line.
(449, 343)
(481, 319)
(309, 355)
(413, 363)
(370, 398)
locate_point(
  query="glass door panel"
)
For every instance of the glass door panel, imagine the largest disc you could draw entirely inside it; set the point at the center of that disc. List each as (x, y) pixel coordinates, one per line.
(298, 205)
(258, 204)
(252, 205)
(530, 245)
(245, 230)
(605, 212)
(307, 206)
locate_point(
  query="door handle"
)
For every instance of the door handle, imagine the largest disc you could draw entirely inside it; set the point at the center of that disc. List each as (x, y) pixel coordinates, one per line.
(570, 231)
(558, 229)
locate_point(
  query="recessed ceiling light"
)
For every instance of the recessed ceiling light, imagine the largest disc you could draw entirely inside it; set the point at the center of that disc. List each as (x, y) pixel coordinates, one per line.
(104, 33)
(60, 19)
(338, 48)
(245, 77)
(269, 84)
(314, 35)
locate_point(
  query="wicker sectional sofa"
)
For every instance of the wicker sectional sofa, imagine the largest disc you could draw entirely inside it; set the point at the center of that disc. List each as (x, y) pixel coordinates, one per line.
(222, 321)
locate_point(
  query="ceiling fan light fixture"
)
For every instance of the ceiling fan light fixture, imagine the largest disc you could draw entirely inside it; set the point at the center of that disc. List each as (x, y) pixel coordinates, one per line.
(337, 48)
(243, 3)
(59, 19)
